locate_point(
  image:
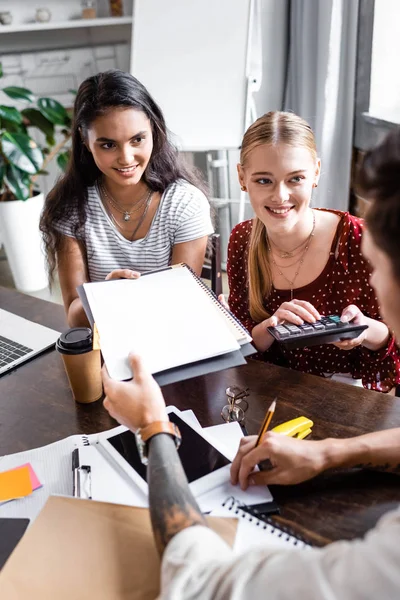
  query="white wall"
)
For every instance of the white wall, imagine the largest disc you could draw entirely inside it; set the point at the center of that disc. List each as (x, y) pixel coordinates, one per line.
(274, 15)
(275, 23)
(385, 69)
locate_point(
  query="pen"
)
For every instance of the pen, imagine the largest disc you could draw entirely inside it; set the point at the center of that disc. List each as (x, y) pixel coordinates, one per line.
(75, 467)
(266, 422)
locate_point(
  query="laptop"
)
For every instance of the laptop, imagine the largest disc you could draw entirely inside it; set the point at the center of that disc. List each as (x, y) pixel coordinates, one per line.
(21, 339)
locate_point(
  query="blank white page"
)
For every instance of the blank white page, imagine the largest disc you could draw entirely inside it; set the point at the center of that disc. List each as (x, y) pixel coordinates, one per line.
(165, 317)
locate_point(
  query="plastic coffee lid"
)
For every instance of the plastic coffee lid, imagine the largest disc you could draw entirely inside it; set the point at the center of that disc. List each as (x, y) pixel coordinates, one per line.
(75, 341)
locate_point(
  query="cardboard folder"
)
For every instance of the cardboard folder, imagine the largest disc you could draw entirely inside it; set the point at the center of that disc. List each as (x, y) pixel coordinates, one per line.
(83, 549)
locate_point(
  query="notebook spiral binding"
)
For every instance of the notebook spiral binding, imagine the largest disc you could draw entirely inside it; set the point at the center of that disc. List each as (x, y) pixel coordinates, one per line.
(85, 440)
(264, 521)
(234, 320)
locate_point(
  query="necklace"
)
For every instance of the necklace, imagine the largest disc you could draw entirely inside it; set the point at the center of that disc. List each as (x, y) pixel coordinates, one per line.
(147, 203)
(290, 253)
(291, 282)
(126, 213)
(287, 266)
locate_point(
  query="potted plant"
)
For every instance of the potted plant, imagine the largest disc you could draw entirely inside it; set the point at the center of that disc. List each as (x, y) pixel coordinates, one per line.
(22, 160)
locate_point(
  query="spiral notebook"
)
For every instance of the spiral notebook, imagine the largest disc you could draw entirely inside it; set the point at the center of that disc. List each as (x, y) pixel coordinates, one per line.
(170, 317)
(257, 530)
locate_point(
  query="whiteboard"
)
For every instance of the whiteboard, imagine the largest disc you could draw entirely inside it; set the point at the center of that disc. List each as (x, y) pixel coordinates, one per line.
(191, 56)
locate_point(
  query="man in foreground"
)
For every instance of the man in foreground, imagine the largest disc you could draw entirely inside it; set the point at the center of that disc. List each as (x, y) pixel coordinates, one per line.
(196, 563)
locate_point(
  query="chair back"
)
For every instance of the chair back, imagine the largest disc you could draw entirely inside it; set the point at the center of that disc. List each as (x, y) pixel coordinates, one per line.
(212, 267)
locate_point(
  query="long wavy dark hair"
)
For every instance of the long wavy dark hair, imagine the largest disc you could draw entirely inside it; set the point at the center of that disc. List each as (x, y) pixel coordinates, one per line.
(97, 95)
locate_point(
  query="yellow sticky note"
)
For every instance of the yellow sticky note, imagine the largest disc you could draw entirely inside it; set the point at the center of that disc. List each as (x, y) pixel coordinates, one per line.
(15, 484)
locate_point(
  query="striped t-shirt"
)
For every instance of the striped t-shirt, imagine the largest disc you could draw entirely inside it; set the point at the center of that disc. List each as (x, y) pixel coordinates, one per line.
(183, 215)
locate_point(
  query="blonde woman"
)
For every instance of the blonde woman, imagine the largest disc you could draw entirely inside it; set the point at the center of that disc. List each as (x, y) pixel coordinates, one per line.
(294, 263)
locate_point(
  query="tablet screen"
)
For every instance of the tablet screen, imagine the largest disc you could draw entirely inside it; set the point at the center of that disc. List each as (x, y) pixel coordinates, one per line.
(198, 457)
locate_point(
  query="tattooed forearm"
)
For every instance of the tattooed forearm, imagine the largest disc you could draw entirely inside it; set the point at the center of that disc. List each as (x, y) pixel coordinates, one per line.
(378, 451)
(172, 505)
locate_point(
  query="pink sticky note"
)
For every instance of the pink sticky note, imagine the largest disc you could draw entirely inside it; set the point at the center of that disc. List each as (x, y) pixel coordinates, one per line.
(34, 478)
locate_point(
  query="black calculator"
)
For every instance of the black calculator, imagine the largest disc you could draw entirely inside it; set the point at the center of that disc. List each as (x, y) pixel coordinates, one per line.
(327, 329)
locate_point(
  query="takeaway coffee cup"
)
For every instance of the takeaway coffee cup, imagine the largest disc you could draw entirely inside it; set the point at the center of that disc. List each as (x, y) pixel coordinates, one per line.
(82, 364)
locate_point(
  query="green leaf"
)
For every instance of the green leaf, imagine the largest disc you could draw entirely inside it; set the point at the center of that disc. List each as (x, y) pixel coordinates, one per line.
(19, 93)
(37, 119)
(1, 70)
(50, 140)
(53, 111)
(17, 182)
(62, 160)
(22, 152)
(10, 113)
(12, 127)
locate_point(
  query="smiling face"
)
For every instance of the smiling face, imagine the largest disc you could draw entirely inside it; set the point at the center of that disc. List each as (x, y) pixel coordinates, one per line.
(121, 144)
(384, 282)
(279, 179)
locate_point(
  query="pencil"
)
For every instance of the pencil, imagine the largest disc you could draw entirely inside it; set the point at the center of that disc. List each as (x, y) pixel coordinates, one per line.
(266, 422)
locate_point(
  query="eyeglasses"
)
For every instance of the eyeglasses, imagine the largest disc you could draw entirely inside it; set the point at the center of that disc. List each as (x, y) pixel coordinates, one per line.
(231, 411)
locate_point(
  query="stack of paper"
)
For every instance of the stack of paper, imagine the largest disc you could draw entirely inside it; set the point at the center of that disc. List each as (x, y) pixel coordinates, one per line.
(53, 465)
(170, 318)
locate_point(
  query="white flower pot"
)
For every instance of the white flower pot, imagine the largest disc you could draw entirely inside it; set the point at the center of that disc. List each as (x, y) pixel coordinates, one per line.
(22, 241)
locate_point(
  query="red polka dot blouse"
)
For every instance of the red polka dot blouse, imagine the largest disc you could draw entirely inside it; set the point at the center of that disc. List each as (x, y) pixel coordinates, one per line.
(344, 281)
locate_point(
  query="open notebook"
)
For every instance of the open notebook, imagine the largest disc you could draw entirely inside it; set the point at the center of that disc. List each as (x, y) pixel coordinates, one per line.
(170, 317)
(256, 530)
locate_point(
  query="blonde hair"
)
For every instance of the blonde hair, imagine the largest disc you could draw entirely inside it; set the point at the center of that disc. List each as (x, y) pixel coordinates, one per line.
(272, 128)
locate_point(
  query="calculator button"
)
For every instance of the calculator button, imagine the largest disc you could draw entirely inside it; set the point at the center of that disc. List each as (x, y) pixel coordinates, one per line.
(293, 329)
(335, 319)
(306, 328)
(330, 325)
(318, 326)
(282, 331)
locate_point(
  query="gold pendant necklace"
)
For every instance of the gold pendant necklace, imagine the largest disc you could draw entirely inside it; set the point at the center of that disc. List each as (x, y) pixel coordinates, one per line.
(291, 253)
(126, 213)
(291, 282)
(141, 219)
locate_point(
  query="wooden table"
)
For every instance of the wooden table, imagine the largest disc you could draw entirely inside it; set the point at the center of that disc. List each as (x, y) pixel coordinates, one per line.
(36, 408)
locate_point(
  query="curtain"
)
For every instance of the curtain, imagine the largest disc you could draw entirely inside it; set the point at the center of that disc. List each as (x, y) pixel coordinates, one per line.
(320, 87)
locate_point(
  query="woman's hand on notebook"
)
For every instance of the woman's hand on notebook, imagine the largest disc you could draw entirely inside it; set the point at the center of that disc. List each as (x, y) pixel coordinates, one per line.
(123, 274)
(292, 460)
(135, 403)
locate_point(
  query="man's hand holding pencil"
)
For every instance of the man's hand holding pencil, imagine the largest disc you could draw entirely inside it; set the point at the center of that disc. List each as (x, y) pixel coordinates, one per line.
(290, 460)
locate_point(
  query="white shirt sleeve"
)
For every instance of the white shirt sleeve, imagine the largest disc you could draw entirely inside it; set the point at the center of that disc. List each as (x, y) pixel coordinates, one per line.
(198, 564)
(192, 217)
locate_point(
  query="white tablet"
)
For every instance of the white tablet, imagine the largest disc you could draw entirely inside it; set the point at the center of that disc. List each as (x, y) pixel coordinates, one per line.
(206, 467)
